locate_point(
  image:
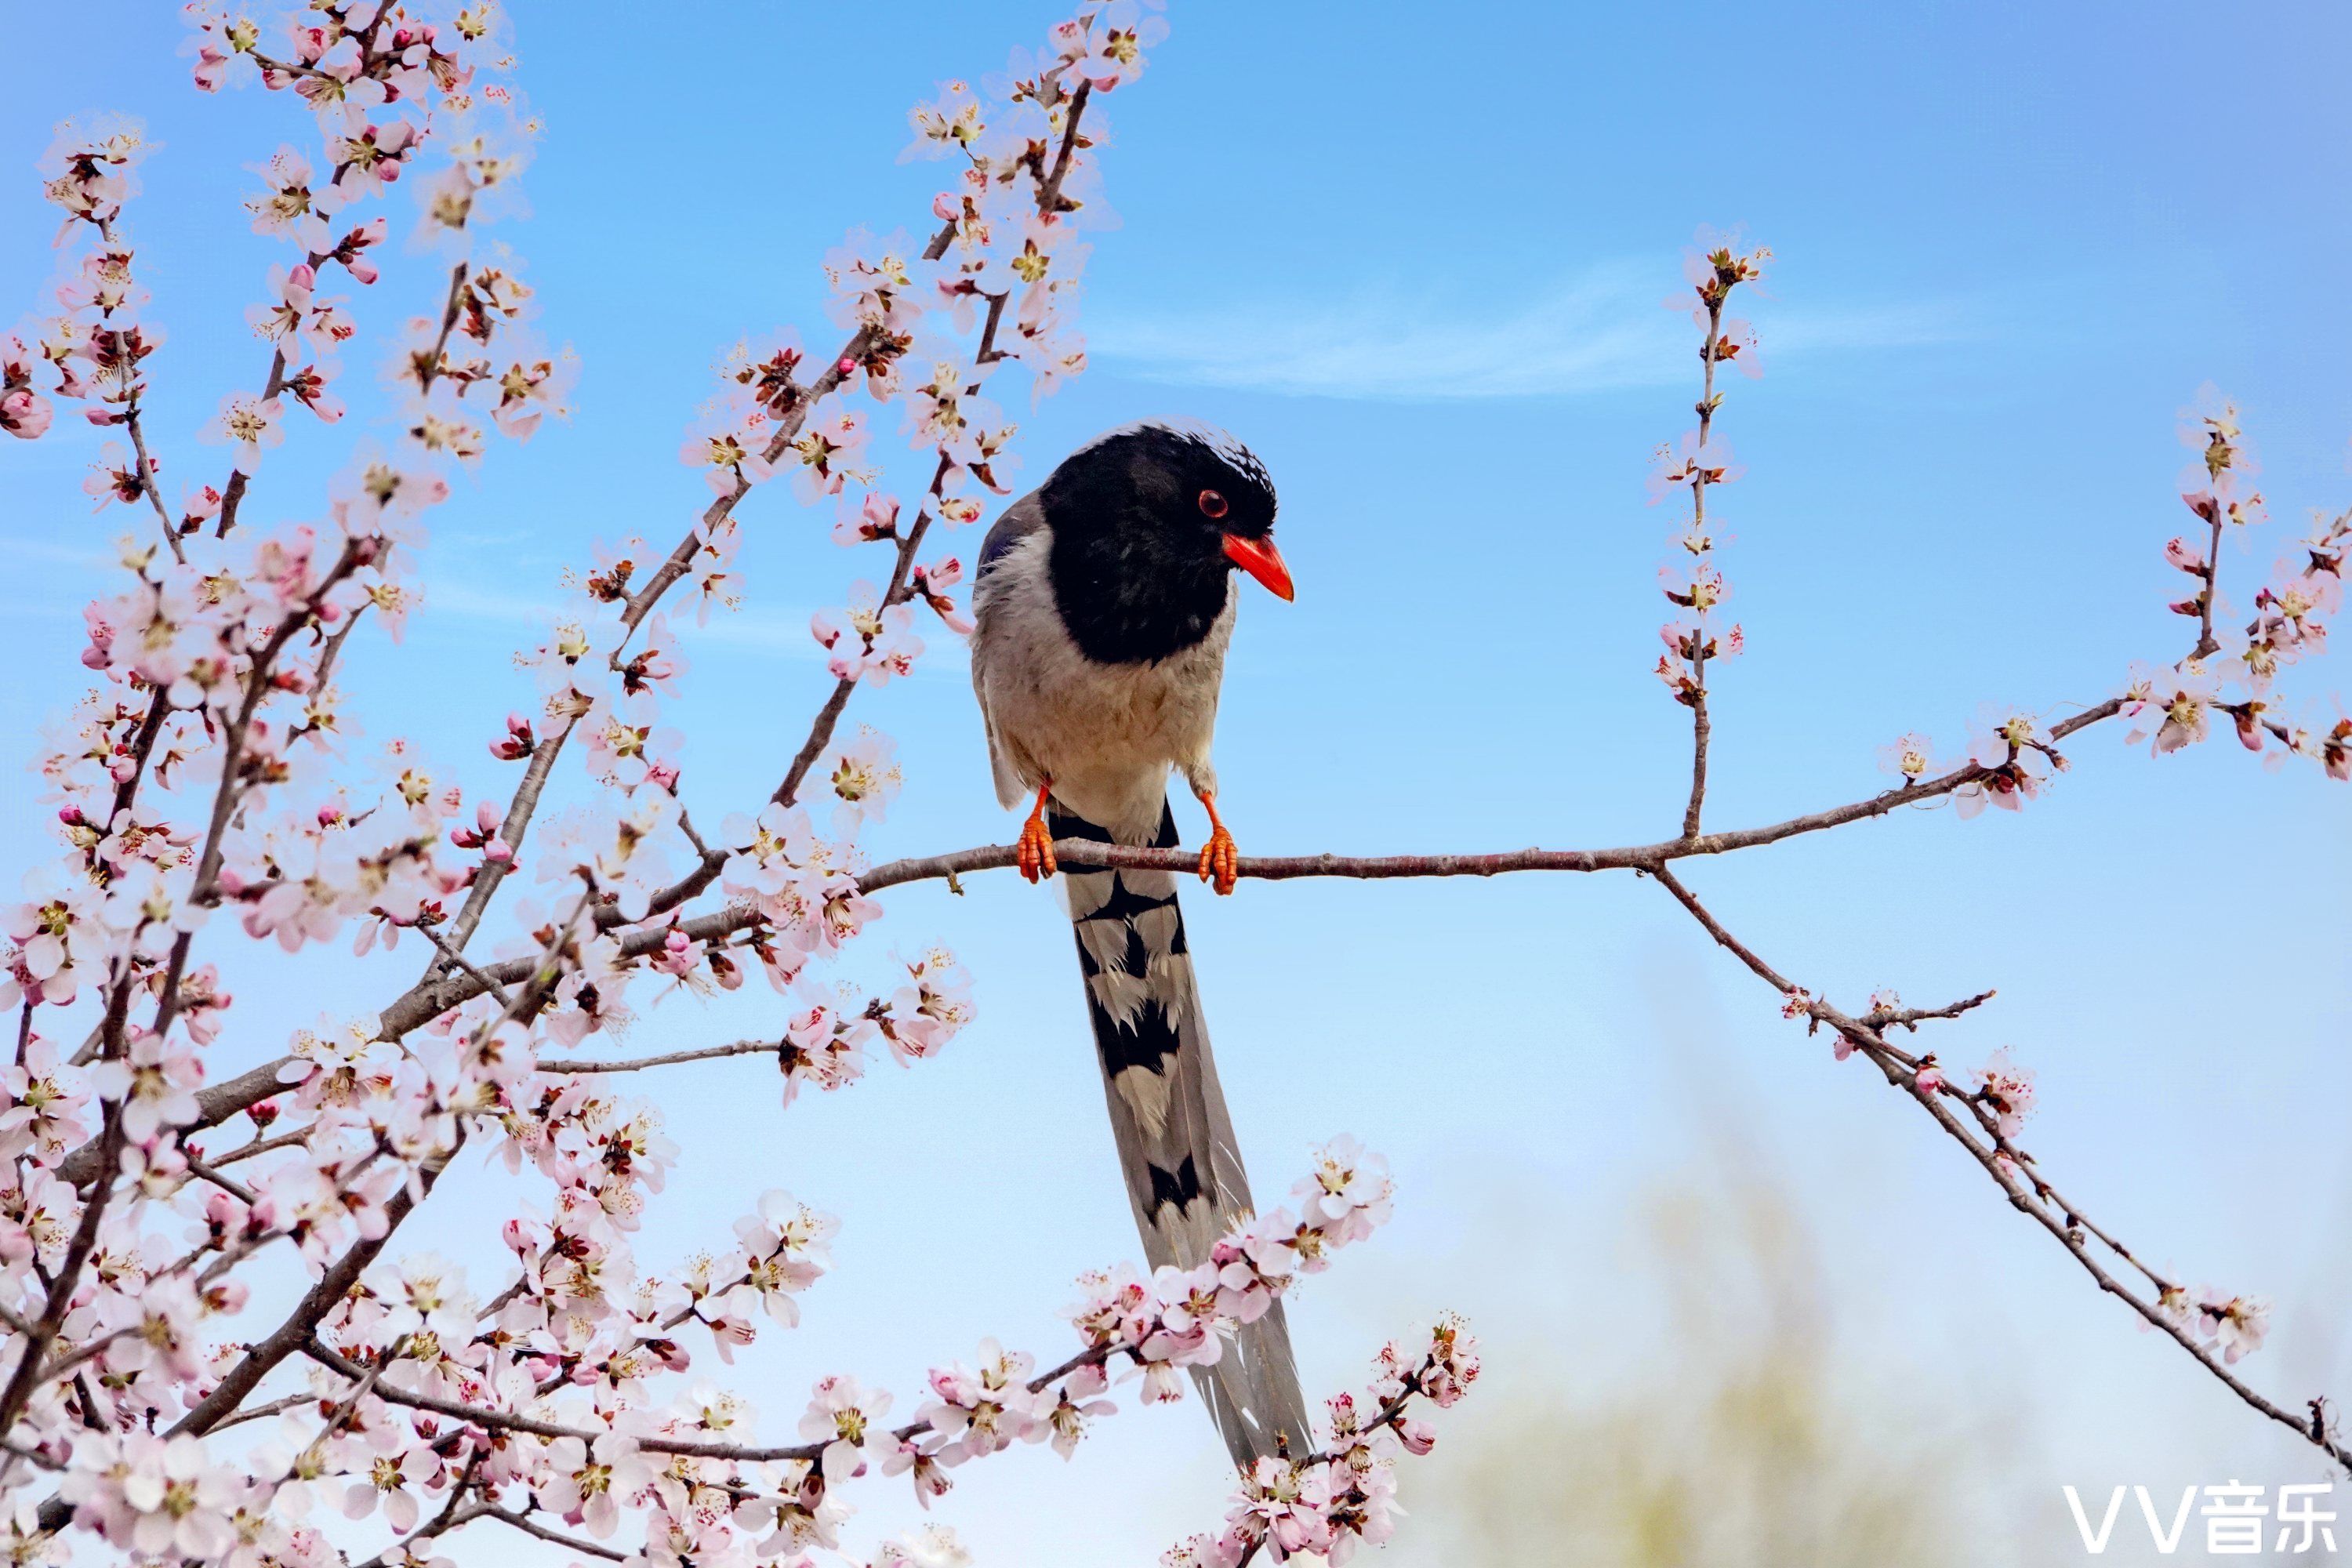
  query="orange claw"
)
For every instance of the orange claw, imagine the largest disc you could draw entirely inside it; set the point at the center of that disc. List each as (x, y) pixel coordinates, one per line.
(1034, 852)
(1220, 857)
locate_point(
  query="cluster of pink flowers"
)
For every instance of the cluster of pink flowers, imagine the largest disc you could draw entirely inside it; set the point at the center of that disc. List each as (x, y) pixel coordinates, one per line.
(2006, 1090)
(2234, 1325)
(529, 1396)
(2231, 673)
(93, 351)
(1343, 1497)
(1690, 578)
(1177, 1319)
(2010, 759)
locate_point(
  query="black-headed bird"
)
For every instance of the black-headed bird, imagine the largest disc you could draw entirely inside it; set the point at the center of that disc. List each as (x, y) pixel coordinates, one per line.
(1103, 605)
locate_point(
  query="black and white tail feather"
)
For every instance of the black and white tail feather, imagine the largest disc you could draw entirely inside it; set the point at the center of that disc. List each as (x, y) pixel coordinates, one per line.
(1185, 1175)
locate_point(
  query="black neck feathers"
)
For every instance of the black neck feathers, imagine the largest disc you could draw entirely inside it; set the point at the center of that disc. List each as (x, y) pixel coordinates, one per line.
(1138, 565)
(1127, 600)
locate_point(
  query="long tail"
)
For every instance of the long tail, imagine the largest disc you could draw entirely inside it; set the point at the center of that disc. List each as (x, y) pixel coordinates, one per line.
(1184, 1172)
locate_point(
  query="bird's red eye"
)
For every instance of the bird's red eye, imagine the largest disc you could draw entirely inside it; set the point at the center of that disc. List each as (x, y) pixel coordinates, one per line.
(1212, 504)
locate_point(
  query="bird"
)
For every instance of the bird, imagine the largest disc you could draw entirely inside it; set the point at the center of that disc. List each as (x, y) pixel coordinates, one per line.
(1103, 605)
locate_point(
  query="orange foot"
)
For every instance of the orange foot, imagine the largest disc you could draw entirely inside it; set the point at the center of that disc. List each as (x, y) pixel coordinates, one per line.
(1220, 860)
(1034, 853)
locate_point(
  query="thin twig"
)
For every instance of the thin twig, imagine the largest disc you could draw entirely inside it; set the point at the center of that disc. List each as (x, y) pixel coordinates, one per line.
(467, 965)
(639, 1064)
(530, 1525)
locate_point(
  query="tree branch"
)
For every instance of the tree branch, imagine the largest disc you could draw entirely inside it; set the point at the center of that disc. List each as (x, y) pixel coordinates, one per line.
(2025, 1193)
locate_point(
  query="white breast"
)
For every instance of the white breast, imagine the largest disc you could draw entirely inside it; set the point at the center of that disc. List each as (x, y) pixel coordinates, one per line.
(1105, 735)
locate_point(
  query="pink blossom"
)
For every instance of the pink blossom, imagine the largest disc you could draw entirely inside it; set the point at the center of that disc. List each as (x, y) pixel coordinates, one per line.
(847, 1418)
(949, 122)
(1350, 1193)
(23, 413)
(198, 506)
(2007, 1090)
(930, 583)
(588, 1483)
(919, 1459)
(249, 424)
(1690, 461)
(116, 476)
(530, 388)
(863, 777)
(2236, 1324)
(2015, 753)
(280, 317)
(1454, 1363)
(866, 641)
(309, 387)
(727, 445)
(352, 250)
(2173, 705)
(931, 1009)
(876, 516)
(982, 1410)
(1120, 34)
(786, 1245)
(1909, 756)
(46, 1098)
(825, 454)
(1066, 1421)
(161, 1497)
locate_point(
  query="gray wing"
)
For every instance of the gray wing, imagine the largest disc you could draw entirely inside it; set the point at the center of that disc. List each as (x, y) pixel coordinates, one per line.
(1022, 519)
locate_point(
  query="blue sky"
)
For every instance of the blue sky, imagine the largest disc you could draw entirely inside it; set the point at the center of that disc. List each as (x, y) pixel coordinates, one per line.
(1416, 263)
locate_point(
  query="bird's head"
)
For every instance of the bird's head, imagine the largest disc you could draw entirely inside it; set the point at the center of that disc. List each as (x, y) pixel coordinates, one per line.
(1149, 522)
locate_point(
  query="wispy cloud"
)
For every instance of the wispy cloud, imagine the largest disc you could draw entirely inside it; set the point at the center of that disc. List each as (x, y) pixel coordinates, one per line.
(49, 551)
(1597, 333)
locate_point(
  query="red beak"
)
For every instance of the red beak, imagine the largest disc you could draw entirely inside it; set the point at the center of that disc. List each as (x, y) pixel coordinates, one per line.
(1261, 560)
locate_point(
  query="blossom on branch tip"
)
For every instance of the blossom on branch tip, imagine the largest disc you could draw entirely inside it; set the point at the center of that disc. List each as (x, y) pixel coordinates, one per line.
(1120, 34)
(1714, 265)
(1909, 756)
(874, 515)
(949, 122)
